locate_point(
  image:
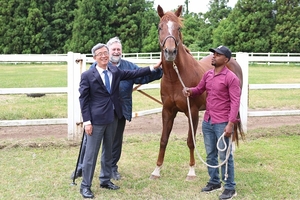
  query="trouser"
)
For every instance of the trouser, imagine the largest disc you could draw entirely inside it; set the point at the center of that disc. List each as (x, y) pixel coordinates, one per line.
(117, 144)
(211, 134)
(104, 133)
(116, 149)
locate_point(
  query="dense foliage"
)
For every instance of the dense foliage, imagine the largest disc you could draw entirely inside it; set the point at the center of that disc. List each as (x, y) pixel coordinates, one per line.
(248, 28)
(55, 26)
(286, 35)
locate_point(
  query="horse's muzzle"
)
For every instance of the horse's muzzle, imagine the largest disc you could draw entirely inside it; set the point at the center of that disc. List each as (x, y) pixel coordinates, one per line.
(170, 55)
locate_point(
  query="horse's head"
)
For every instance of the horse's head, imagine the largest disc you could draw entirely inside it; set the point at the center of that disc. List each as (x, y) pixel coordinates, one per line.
(169, 31)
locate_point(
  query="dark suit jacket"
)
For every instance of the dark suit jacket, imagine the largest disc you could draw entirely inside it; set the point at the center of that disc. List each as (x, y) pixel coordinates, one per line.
(126, 86)
(97, 104)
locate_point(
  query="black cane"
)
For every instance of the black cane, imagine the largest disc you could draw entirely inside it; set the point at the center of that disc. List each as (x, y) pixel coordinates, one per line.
(72, 184)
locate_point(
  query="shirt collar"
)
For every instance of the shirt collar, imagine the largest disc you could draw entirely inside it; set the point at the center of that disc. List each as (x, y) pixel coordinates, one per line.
(100, 70)
(223, 71)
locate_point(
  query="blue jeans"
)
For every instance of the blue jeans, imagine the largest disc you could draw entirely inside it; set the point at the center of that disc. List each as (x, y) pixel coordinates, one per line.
(211, 134)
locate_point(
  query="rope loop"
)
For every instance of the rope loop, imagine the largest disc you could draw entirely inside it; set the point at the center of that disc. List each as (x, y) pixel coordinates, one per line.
(222, 137)
(224, 142)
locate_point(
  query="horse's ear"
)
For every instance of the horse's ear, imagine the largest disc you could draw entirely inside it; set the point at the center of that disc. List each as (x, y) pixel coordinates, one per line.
(178, 11)
(160, 11)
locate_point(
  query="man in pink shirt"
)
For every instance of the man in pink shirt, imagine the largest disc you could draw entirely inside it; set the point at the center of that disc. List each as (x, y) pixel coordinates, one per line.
(222, 105)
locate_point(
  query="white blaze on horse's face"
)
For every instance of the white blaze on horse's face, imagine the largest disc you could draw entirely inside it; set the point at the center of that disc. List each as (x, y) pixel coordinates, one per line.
(170, 27)
(169, 43)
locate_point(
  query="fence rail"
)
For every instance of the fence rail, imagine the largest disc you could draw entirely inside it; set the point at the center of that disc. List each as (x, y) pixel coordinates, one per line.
(56, 90)
(20, 58)
(151, 57)
(59, 90)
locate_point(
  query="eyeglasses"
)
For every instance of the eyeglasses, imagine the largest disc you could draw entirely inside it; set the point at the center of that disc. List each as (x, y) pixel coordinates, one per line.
(105, 53)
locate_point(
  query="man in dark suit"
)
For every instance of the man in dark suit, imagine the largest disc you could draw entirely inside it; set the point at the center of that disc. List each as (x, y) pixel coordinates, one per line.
(101, 108)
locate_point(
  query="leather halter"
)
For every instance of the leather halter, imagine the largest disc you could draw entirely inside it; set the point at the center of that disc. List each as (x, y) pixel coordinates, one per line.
(162, 44)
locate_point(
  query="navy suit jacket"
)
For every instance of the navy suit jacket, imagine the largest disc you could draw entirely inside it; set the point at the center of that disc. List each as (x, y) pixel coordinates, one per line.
(97, 104)
(126, 86)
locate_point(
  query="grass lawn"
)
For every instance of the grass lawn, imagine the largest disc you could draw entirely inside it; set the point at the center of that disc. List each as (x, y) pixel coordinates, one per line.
(55, 105)
(267, 167)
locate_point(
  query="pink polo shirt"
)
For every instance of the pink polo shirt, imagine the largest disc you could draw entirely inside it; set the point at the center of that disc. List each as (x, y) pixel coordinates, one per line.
(223, 95)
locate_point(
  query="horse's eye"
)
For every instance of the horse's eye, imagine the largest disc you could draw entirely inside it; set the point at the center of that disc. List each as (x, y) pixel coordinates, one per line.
(179, 29)
(159, 29)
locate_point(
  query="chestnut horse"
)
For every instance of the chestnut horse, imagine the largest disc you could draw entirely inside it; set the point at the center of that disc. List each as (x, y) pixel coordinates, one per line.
(190, 71)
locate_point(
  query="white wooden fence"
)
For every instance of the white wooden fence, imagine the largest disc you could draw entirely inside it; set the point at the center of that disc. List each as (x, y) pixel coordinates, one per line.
(77, 64)
(261, 58)
(243, 59)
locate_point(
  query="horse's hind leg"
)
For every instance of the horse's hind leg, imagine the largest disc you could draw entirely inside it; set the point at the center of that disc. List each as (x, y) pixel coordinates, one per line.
(168, 120)
(190, 142)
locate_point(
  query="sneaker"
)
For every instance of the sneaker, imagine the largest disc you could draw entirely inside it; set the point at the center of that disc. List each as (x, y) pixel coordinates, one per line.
(211, 187)
(227, 194)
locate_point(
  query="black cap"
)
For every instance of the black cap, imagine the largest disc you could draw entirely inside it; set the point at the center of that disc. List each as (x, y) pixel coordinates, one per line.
(222, 50)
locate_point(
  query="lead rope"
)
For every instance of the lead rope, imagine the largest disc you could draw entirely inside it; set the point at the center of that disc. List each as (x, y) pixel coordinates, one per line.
(221, 138)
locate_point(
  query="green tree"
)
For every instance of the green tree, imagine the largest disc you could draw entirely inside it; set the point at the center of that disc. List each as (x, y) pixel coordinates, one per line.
(33, 38)
(218, 11)
(35, 26)
(131, 21)
(248, 27)
(199, 27)
(13, 21)
(225, 34)
(193, 26)
(6, 15)
(151, 43)
(60, 26)
(149, 26)
(88, 26)
(110, 18)
(286, 36)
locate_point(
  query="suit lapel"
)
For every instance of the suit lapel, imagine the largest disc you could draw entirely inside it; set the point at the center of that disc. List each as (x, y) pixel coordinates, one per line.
(98, 77)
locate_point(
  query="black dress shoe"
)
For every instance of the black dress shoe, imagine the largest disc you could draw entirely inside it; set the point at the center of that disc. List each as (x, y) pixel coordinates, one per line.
(115, 175)
(78, 174)
(86, 193)
(110, 186)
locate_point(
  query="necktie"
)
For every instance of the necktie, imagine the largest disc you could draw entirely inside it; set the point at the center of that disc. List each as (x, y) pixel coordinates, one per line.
(107, 84)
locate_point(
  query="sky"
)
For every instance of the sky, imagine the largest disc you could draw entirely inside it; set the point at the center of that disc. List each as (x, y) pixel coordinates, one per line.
(195, 6)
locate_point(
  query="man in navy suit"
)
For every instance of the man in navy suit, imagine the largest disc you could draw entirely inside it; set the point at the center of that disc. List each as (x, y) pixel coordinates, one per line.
(125, 92)
(101, 109)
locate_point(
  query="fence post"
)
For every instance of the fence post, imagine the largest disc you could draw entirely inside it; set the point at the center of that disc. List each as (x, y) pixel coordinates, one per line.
(74, 114)
(243, 60)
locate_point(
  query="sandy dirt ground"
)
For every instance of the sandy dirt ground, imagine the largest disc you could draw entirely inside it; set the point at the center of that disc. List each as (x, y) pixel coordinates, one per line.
(143, 124)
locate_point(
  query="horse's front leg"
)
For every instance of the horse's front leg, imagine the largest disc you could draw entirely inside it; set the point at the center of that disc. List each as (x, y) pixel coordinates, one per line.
(190, 141)
(167, 121)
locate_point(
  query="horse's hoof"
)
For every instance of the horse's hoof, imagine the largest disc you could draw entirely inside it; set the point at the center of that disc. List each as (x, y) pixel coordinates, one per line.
(190, 178)
(153, 177)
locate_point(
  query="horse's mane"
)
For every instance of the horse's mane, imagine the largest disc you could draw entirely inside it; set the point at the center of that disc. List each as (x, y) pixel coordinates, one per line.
(187, 50)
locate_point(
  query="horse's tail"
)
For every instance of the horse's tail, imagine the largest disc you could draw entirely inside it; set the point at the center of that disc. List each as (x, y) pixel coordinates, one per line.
(238, 130)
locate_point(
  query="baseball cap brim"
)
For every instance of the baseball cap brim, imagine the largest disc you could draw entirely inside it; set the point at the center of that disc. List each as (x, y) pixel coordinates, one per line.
(216, 50)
